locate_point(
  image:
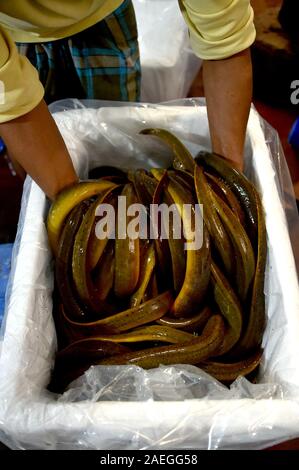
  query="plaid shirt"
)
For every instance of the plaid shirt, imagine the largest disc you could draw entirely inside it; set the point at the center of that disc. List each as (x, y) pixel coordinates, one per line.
(101, 62)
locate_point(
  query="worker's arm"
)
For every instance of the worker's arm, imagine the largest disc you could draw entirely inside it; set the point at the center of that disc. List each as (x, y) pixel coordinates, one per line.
(221, 33)
(26, 126)
(228, 91)
(35, 143)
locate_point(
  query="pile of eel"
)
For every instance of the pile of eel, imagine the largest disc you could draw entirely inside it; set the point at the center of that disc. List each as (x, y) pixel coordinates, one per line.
(150, 301)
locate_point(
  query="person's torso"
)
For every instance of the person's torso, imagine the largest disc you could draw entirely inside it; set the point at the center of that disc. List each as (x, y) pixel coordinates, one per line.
(47, 20)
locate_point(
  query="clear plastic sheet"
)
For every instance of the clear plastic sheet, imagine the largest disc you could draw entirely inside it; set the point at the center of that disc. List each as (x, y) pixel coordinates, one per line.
(181, 382)
(284, 185)
(168, 64)
(124, 407)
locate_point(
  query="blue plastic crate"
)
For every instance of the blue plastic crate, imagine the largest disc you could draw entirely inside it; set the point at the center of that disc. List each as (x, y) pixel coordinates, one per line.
(294, 135)
(2, 145)
(5, 259)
